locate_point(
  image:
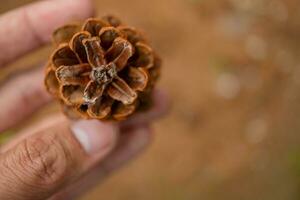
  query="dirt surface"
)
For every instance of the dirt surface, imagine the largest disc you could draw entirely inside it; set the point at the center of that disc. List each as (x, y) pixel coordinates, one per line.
(231, 69)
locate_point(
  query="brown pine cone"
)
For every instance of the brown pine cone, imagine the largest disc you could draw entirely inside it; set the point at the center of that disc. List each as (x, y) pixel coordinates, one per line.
(101, 70)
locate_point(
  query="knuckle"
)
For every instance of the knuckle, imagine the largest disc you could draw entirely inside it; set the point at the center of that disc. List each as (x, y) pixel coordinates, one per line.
(45, 159)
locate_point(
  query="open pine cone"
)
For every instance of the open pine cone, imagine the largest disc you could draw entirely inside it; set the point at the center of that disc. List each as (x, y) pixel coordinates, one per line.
(101, 70)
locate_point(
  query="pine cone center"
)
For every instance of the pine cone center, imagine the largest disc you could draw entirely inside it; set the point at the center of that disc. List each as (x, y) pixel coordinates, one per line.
(104, 74)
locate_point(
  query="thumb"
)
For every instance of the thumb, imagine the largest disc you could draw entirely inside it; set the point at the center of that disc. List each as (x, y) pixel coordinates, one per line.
(46, 161)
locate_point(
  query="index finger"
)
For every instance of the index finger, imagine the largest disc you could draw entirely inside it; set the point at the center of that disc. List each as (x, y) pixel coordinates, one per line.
(29, 27)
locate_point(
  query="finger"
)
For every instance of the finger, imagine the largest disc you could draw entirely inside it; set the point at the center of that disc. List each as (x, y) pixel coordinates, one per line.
(161, 106)
(30, 26)
(20, 97)
(45, 162)
(131, 143)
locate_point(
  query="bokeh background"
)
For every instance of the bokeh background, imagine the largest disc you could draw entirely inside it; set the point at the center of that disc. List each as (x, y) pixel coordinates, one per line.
(232, 70)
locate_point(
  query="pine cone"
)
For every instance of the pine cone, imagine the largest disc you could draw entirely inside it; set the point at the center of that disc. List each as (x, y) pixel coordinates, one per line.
(101, 70)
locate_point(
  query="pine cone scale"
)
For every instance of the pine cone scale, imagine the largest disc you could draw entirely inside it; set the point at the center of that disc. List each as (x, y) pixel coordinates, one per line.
(121, 91)
(101, 109)
(93, 91)
(72, 94)
(94, 52)
(64, 56)
(138, 78)
(108, 35)
(119, 53)
(94, 26)
(74, 74)
(76, 44)
(65, 33)
(145, 56)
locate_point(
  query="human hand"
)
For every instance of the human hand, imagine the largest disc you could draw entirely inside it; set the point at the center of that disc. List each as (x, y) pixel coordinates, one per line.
(57, 159)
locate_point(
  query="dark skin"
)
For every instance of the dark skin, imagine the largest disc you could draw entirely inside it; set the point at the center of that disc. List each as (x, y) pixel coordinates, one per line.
(57, 158)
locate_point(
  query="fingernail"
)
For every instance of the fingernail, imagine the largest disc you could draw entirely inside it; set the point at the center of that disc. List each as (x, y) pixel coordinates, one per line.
(95, 136)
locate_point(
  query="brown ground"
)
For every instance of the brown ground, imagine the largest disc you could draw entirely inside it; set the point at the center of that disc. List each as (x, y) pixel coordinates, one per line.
(231, 69)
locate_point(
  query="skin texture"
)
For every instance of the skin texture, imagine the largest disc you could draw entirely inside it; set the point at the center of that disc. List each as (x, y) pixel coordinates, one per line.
(51, 159)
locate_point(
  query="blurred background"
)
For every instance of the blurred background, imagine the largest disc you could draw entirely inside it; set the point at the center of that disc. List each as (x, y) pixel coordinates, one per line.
(232, 69)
